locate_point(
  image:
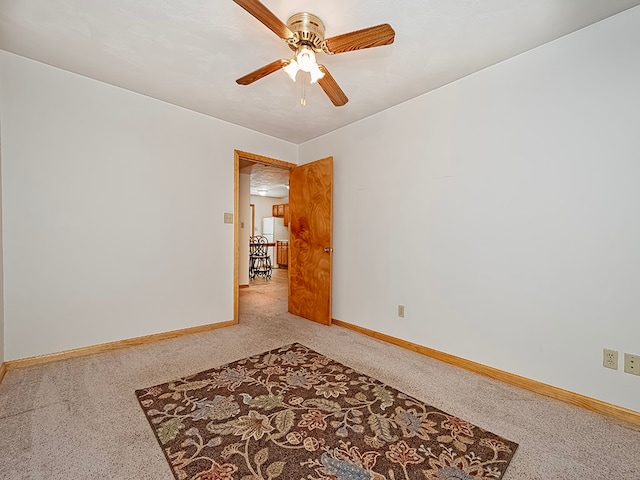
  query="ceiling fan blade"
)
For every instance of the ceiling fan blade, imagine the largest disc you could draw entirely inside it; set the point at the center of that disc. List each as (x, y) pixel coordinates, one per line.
(366, 38)
(262, 72)
(331, 88)
(264, 15)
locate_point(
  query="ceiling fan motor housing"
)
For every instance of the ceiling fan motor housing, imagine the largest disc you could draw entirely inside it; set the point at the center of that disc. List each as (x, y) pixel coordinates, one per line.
(307, 30)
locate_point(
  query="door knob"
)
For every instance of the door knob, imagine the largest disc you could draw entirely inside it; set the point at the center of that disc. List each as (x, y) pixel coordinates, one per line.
(328, 249)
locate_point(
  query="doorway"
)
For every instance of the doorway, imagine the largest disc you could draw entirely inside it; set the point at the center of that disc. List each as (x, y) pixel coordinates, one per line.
(249, 222)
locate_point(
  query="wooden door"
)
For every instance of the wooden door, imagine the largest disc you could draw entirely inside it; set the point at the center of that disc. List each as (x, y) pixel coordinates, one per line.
(310, 240)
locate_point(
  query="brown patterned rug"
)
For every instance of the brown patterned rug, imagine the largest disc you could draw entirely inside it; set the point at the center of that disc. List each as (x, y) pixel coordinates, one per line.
(292, 413)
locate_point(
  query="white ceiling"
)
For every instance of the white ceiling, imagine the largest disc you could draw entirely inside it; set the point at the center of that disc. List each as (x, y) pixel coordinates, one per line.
(266, 180)
(189, 52)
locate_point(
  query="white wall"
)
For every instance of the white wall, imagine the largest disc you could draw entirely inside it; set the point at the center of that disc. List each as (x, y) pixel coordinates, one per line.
(1, 244)
(113, 211)
(245, 228)
(503, 211)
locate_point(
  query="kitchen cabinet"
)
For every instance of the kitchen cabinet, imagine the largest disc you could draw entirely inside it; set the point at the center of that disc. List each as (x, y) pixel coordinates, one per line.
(286, 214)
(282, 253)
(280, 210)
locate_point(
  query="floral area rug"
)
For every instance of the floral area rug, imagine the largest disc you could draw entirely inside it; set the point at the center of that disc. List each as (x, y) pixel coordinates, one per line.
(294, 414)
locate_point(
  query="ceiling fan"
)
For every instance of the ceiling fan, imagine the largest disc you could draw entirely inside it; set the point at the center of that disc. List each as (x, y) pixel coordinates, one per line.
(304, 33)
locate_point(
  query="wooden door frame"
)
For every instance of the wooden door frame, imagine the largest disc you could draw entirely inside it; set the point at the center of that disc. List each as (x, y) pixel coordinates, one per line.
(255, 158)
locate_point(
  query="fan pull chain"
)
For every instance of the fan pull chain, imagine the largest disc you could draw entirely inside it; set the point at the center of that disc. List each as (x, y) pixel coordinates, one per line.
(303, 99)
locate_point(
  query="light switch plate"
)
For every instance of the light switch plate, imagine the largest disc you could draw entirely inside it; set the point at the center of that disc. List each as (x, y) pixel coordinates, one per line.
(228, 218)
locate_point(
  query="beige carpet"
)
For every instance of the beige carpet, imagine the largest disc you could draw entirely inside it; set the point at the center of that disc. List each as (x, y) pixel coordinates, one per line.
(80, 419)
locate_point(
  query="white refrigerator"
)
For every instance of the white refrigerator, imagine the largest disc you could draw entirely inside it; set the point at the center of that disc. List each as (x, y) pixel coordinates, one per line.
(273, 228)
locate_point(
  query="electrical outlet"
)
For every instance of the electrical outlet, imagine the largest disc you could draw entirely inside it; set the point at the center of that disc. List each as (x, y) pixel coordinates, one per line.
(228, 218)
(401, 311)
(610, 359)
(632, 364)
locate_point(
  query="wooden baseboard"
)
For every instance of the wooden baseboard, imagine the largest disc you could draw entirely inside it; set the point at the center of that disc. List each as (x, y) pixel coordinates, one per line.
(105, 347)
(3, 370)
(566, 396)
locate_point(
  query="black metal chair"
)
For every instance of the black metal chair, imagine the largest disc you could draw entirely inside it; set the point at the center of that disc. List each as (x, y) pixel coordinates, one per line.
(259, 259)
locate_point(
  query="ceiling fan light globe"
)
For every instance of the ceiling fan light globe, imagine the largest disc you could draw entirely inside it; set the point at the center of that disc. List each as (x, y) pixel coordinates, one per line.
(316, 73)
(292, 69)
(306, 58)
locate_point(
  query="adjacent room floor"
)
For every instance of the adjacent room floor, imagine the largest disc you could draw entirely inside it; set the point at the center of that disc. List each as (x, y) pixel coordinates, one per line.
(79, 418)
